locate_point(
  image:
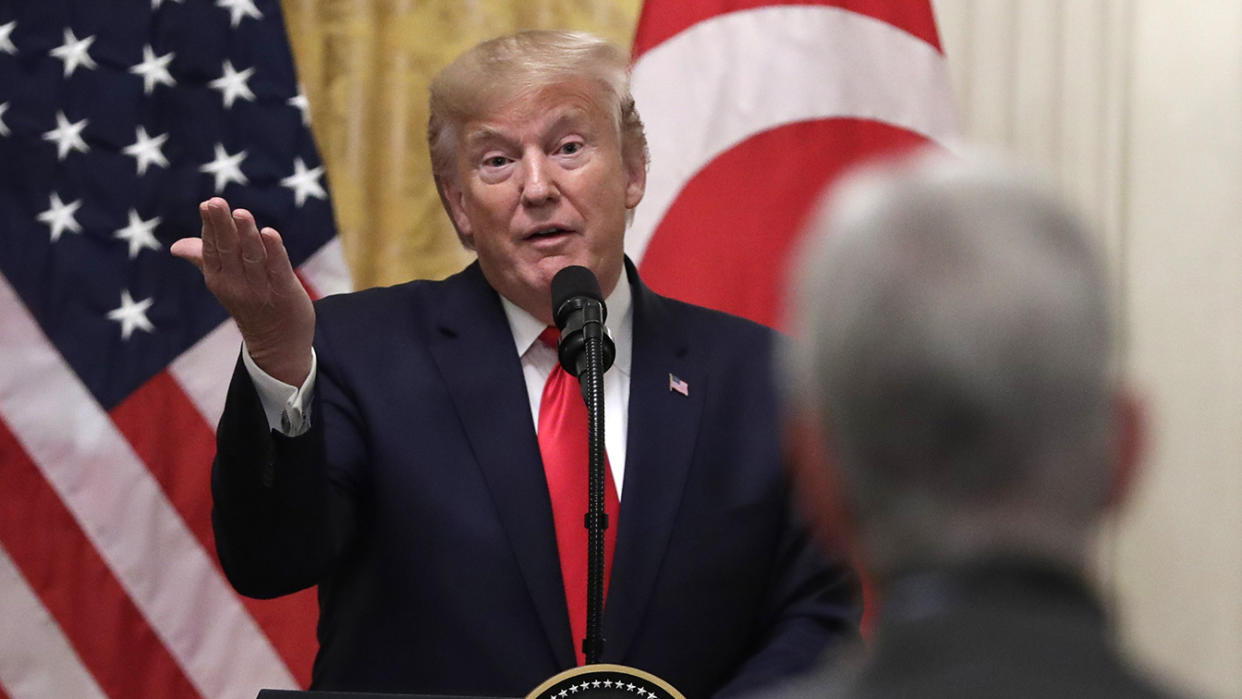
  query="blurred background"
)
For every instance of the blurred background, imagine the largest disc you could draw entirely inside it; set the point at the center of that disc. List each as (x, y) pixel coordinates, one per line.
(1132, 106)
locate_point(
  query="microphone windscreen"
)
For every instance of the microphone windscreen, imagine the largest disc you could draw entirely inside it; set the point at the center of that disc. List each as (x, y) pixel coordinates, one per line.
(574, 281)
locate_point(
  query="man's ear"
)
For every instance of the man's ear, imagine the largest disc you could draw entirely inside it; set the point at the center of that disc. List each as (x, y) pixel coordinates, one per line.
(1129, 447)
(451, 200)
(635, 178)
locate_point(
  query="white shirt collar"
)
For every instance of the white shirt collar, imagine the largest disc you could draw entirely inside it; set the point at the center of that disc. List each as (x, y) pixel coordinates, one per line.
(526, 328)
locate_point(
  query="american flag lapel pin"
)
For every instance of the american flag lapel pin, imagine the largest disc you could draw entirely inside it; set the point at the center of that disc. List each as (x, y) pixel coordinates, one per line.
(678, 385)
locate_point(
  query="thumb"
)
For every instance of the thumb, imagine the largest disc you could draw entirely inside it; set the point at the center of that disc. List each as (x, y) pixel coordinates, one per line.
(190, 250)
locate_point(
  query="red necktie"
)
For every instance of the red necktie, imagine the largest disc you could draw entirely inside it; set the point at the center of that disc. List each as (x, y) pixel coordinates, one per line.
(563, 445)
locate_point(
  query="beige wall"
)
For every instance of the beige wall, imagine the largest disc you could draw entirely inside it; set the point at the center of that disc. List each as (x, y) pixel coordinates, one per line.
(1135, 107)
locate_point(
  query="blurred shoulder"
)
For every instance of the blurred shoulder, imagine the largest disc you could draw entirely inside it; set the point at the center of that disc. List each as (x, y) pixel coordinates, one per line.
(700, 322)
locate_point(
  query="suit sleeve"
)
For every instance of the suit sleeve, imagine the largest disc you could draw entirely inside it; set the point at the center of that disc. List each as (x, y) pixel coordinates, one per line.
(281, 519)
(812, 604)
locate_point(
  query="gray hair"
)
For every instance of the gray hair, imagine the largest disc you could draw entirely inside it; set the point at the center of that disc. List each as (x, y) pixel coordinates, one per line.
(956, 346)
(502, 69)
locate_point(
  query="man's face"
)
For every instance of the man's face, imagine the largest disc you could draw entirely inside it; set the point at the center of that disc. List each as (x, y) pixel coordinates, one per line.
(541, 184)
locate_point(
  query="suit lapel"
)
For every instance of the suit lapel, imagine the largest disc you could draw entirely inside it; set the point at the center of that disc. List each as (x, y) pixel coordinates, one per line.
(663, 425)
(473, 347)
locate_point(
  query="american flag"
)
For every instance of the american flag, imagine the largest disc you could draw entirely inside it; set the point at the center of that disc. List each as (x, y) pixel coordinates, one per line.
(116, 119)
(679, 385)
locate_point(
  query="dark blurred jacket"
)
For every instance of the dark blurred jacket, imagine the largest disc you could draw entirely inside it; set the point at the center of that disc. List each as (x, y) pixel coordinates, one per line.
(1001, 627)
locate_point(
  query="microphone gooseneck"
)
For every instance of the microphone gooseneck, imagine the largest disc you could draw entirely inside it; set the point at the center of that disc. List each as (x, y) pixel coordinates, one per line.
(586, 351)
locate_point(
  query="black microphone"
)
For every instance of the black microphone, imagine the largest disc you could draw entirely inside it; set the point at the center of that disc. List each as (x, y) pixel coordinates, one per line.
(586, 351)
(579, 310)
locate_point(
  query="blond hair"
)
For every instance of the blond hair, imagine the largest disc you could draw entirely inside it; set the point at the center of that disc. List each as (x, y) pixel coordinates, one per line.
(499, 70)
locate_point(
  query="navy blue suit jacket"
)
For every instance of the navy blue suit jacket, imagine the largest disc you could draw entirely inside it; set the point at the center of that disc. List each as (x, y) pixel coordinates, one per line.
(417, 502)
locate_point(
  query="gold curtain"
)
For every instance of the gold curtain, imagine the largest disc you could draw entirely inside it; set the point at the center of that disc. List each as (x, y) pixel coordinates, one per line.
(365, 66)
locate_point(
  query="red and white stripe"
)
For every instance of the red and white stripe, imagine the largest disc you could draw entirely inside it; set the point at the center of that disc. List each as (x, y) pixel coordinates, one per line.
(751, 107)
(29, 638)
(109, 585)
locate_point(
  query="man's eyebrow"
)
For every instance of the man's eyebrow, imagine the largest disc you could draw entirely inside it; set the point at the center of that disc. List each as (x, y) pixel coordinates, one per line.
(573, 116)
(485, 135)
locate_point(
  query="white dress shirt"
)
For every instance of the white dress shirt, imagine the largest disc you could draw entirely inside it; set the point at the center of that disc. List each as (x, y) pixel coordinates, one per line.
(288, 407)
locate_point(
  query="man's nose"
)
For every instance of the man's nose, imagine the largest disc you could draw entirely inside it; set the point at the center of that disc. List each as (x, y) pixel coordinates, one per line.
(539, 180)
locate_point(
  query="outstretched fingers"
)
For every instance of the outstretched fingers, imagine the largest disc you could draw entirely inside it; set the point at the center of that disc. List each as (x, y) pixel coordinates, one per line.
(251, 255)
(219, 236)
(249, 272)
(279, 267)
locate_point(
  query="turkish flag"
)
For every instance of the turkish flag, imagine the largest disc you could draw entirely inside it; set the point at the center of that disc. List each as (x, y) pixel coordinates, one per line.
(752, 108)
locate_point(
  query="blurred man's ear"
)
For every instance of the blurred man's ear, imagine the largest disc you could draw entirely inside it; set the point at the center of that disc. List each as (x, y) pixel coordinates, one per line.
(1130, 446)
(817, 482)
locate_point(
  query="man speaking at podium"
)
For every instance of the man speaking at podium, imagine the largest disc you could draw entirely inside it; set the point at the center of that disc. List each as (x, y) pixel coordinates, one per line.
(404, 448)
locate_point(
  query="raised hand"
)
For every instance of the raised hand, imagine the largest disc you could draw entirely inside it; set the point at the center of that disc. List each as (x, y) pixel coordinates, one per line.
(249, 271)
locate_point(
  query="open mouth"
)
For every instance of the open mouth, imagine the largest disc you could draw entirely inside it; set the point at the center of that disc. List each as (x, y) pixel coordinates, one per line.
(551, 232)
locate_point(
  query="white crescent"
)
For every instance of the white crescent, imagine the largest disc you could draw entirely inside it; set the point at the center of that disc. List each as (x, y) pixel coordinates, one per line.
(735, 75)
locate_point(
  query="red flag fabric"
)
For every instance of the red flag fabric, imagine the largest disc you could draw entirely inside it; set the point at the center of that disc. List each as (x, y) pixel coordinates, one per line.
(114, 123)
(752, 107)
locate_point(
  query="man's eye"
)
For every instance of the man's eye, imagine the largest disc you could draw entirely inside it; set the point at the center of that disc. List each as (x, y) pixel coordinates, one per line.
(571, 148)
(495, 161)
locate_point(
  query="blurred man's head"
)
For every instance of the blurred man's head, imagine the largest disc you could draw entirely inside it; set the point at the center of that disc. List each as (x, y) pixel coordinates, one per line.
(956, 355)
(540, 156)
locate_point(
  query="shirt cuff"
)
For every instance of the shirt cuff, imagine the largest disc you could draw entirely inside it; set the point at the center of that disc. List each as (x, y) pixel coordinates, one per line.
(286, 406)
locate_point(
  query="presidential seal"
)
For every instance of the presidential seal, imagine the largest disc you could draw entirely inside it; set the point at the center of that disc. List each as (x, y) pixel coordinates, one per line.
(604, 681)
